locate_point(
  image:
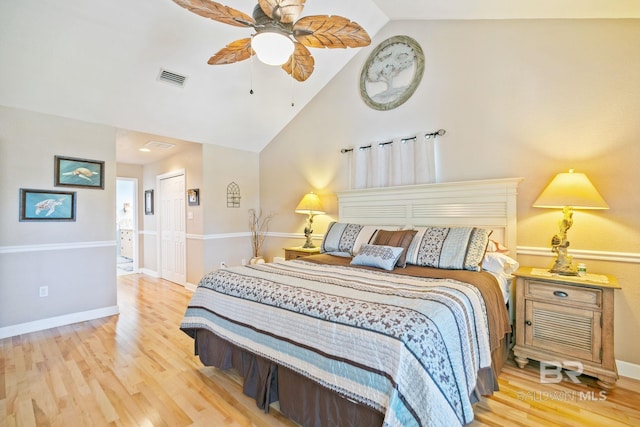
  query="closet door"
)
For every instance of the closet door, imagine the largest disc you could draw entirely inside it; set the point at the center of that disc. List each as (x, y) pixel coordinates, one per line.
(172, 229)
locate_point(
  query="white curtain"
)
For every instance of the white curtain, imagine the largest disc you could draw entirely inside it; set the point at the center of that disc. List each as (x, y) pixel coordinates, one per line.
(404, 161)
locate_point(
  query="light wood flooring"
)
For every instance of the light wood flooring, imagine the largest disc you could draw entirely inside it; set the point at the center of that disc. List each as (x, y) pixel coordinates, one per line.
(138, 369)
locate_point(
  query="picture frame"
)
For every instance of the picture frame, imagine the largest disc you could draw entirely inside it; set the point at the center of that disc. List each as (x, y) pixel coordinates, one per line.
(47, 205)
(74, 172)
(193, 196)
(148, 202)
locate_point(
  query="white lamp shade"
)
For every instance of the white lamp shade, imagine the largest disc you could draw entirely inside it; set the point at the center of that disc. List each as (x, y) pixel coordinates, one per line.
(310, 205)
(573, 190)
(272, 48)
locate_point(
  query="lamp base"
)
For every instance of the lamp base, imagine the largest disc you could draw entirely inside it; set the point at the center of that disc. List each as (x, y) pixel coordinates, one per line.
(569, 271)
(564, 265)
(309, 243)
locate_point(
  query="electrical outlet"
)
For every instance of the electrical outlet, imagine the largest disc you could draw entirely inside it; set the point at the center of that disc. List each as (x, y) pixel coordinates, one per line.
(223, 264)
(44, 291)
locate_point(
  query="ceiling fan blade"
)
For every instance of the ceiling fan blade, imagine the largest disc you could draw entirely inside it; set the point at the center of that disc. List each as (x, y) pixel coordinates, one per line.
(300, 64)
(330, 32)
(217, 12)
(285, 11)
(238, 50)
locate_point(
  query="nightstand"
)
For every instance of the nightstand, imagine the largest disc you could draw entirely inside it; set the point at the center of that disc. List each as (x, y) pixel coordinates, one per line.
(294, 253)
(566, 319)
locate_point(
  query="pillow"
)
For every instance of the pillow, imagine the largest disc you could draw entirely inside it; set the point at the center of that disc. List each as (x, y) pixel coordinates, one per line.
(494, 246)
(400, 239)
(343, 238)
(499, 263)
(379, 256)
(453, 248)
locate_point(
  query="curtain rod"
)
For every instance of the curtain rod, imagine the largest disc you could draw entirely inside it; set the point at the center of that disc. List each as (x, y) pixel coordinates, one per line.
(428, 135)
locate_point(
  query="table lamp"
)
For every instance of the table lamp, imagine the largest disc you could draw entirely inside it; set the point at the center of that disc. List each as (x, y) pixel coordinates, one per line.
(309, 205)
(568, 191)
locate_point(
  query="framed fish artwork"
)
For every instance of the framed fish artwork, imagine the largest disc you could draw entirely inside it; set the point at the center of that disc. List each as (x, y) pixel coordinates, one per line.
(72, 172)
(47, 205)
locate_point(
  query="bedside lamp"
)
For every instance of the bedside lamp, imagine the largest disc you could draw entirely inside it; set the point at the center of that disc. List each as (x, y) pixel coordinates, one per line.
(309, 205)
(568, 191)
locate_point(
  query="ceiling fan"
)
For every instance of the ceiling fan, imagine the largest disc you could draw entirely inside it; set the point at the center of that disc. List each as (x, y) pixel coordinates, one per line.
(276, 22)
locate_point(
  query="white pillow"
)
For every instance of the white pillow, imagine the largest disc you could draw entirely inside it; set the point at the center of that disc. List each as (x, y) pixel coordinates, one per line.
(499, 263)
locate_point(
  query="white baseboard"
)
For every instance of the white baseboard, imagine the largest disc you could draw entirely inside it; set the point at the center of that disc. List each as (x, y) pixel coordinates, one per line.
(54, 322)
(148, 272)
(629, 370)
(190, 286)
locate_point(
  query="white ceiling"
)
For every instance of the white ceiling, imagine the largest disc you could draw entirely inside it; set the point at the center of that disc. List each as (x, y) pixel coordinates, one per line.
(99, 62)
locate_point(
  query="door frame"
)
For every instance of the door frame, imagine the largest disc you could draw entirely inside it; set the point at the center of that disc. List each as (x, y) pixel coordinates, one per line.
(158, 197)
(136, 255)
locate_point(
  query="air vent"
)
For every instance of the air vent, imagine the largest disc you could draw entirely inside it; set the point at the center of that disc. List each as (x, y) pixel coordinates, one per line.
(171, 78)
(159, 145)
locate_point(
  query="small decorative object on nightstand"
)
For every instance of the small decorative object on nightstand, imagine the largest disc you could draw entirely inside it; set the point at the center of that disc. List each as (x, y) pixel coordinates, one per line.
(566, 319)
(300, 252)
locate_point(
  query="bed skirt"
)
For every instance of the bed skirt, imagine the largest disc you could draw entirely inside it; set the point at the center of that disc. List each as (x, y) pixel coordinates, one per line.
(302, 400)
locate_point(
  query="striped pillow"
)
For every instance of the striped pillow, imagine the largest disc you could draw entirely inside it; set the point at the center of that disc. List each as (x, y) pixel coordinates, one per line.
(345, 239)
(453, 248)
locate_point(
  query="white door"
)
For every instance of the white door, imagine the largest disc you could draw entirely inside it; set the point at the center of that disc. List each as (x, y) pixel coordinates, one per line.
(172, 229)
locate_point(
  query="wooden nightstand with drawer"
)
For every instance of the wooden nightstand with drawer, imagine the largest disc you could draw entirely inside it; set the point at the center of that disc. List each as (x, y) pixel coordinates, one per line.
(566, 318)
(299, 252)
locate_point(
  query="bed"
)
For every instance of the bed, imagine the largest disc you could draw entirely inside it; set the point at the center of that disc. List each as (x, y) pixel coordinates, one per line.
(351, 337)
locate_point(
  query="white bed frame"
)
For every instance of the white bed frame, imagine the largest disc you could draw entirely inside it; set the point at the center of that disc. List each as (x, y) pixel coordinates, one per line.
(487, 203)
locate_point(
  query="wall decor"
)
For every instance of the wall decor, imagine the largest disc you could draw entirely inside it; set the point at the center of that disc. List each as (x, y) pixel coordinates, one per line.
(72, 172)
(47, 205)
(148, 202)
(193, 196)
(233, 195)
(392, 73)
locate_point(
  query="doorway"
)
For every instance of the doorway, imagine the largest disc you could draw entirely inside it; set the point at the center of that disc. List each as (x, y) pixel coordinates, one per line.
(126, 225)
(171, 226)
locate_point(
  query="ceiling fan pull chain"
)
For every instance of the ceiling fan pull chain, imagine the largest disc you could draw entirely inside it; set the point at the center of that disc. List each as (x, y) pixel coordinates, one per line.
(293, 64)
(251, 68)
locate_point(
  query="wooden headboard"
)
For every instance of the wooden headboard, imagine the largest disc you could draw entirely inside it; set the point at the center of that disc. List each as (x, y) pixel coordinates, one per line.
(487, 203)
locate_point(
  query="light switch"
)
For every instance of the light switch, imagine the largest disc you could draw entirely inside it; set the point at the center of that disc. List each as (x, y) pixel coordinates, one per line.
(190, 215)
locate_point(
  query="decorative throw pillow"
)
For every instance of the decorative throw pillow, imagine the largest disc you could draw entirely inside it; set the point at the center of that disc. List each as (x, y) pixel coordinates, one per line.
(400, 239)
(454, 248)
(342, 238)
(379, 256)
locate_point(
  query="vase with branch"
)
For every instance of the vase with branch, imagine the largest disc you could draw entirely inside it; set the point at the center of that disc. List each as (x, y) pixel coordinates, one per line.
(259, 226)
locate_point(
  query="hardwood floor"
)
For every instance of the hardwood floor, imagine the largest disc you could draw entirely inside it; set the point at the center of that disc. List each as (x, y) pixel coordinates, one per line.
(138, 369)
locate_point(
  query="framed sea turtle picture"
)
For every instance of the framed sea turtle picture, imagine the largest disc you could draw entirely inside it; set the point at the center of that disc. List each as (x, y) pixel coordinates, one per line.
(72, 172)
(47, 205)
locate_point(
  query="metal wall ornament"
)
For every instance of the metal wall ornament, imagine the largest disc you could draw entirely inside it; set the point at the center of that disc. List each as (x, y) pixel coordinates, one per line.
(233, 195)
(392, 73)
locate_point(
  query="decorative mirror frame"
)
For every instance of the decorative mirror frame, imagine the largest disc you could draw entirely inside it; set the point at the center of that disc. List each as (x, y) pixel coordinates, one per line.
(398, 96)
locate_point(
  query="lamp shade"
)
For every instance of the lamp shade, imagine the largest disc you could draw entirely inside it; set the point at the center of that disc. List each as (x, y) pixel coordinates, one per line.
(573, 190)
(272, 48)
(310, 205)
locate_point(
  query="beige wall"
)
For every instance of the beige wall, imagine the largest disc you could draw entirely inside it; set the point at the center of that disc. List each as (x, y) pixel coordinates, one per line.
(76, 260)
(215, 233)
(225, 229)
(518, 99)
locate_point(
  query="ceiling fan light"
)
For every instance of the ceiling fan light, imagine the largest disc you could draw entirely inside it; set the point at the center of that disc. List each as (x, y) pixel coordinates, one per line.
(272, 48)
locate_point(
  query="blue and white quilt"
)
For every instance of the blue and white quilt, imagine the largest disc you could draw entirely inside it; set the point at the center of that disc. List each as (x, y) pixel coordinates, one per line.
(408, 347)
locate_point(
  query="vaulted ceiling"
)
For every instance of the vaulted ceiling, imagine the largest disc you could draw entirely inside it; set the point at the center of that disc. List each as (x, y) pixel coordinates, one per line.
(100, 62)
